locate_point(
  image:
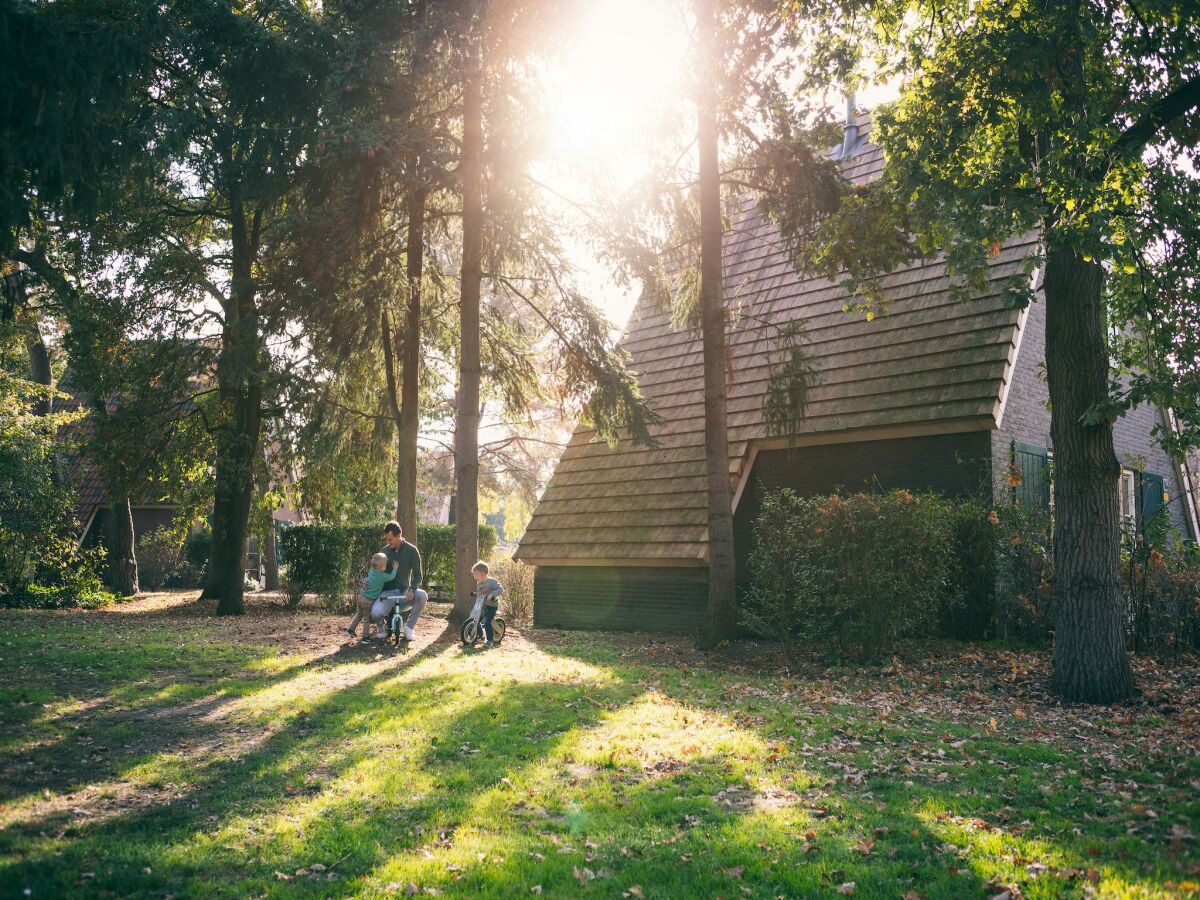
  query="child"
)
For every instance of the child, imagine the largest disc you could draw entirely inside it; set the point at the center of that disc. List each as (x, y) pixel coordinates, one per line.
(377, 577)
(489, 589)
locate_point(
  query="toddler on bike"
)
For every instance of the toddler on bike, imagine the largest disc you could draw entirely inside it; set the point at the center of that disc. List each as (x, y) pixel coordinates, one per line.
(489, 589)
(377, 577)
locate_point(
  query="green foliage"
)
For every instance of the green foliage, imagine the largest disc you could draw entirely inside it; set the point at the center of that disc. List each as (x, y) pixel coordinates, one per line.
(159, 558)
(63, 576)
(969, 613)
(858, 571)
(317, 559)
(1024, 547)
(332, 560)
(34, 506)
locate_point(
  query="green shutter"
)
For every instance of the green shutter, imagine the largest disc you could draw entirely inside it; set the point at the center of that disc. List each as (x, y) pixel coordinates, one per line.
(1032, 465)
(1150, 497)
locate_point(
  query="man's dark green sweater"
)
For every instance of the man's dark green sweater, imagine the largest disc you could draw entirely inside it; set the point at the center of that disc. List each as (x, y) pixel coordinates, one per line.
(408, 572)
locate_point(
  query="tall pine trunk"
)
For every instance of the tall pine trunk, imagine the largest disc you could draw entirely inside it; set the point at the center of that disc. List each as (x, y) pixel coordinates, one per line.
(1090, 661)
(466, 426)
(410, 420)
(122, 553)
(721, 617)
(237, 438)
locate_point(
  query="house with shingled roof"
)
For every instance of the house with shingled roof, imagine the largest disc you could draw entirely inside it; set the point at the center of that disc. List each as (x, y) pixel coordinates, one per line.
(936, 394)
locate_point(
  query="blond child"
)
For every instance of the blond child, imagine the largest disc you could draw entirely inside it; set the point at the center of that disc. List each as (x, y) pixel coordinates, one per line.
(489, 589)
(377, 577)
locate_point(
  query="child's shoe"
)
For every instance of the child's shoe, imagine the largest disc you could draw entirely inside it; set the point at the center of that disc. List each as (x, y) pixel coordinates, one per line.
(488, 645)
(366, 639)
(351, 632)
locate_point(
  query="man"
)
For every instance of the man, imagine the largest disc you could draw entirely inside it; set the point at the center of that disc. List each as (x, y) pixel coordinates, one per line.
(407, 562)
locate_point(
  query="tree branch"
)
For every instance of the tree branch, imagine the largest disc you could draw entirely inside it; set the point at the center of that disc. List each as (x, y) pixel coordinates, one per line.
(1167, 109)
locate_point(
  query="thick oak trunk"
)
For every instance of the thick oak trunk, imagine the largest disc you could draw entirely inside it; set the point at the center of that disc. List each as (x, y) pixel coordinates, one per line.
(122, 553)
(410, 370)
(721, 617)
(466, 426)
(1090, 661)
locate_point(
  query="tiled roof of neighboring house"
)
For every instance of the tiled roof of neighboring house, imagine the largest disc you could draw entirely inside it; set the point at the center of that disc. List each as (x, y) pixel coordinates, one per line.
(80, 468)
(931, 359)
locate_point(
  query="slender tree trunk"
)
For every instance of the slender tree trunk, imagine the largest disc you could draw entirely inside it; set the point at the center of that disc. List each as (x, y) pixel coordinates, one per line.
(1090, 660)
(410, 378)
(466, 427)
(239, 371)
(270, 560)
(39, 365)
(721, 617)
(122, 554)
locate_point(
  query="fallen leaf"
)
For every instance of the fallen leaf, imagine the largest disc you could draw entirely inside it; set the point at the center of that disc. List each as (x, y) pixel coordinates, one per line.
(847, 888)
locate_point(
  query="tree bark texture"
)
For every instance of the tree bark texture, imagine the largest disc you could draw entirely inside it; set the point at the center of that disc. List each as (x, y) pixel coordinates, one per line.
(1090, 661)
(39, 365)
(721, 617)
(410, 378)
(239, 373)
(122, 554)
(466, 427)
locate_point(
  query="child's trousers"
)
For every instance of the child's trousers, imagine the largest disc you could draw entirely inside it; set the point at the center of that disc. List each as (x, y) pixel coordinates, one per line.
(362, 613)
(485, 619)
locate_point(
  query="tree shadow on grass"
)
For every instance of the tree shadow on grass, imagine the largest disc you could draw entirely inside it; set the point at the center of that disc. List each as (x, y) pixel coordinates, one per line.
(961, 804)
(148, 726)
(435, 779)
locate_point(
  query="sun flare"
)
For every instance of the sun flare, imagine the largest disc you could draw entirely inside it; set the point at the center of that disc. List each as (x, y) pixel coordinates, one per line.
(616, 85)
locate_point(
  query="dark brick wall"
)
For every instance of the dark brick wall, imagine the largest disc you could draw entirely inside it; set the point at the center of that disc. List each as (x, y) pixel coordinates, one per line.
(953, 464)
(620, 598)
(1027, 419)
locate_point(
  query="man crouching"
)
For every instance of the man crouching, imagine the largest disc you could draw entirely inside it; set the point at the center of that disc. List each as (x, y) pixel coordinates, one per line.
(405, 561)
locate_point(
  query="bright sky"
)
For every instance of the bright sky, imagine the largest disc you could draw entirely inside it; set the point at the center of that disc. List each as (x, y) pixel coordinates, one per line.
(614, 94)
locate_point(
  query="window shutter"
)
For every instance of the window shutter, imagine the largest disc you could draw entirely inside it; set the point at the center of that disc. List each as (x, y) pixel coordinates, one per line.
(1150, 497)
(1032, 465)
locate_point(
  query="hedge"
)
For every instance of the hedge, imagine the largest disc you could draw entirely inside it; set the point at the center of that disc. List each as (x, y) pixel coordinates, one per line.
(331, 560)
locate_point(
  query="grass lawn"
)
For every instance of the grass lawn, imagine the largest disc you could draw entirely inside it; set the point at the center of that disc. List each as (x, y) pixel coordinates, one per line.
(153, 750)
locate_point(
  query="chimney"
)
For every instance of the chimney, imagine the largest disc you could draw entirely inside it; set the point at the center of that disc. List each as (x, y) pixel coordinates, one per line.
(850, 139)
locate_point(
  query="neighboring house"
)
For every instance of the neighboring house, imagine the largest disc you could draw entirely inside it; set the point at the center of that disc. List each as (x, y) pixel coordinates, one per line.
(433, 508)
(934, 395)
(93, 515)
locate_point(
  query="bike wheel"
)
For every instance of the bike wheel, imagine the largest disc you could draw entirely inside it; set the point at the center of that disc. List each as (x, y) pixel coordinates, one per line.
(470, 632)
(497, 630)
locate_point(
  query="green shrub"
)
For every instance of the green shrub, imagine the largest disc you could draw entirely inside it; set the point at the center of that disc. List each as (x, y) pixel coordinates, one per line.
(65, 577)
(1161, 578)
(517, 579)
(159, 558)
(332, 560)
(969, 610)
(858, 572)
(318, 557)
(1024, 553)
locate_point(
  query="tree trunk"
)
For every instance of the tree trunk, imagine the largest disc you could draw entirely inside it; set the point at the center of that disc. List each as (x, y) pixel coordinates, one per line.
(1090, 661)
(466, 426)
(721, 617)
(270, 560)
(239, 372)
(410, 378)
(39, 366)
(122, 554)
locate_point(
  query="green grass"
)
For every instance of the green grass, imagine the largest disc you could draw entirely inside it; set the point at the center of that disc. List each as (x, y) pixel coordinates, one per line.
(161, 754)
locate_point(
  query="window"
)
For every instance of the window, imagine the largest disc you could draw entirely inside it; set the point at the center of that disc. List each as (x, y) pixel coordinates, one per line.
(1128, 495)
(1030, 476)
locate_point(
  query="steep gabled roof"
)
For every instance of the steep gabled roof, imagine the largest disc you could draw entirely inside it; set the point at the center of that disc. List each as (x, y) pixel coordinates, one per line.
(931, 361)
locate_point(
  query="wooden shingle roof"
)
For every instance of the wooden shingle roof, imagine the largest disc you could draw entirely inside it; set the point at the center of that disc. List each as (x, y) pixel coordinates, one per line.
(930, 360)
